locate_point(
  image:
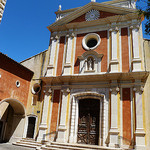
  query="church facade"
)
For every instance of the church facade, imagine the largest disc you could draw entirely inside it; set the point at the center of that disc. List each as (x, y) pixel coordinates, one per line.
(90, 83)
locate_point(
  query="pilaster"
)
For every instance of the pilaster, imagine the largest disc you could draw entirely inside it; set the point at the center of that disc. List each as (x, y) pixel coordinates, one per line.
(43, 126)
(139, 130)
(114, 62)
(114, 118)
(136, 60)
(53, 55)
(69, 51)
(62, 126)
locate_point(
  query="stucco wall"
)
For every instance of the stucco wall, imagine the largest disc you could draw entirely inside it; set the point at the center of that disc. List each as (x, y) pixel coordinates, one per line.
(38, 64)
(11, 72)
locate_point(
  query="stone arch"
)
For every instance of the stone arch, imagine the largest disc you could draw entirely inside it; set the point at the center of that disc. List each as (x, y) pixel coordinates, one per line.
(12, 114)
(18, 107)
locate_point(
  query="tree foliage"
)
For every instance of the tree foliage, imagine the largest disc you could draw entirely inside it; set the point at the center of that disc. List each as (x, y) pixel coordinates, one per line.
(146, 12)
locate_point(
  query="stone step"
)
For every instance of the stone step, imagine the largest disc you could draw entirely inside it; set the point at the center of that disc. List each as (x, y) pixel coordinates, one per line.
(84, 146)
(24, 145)
(48, 147)
(29, 143)
(70, 146)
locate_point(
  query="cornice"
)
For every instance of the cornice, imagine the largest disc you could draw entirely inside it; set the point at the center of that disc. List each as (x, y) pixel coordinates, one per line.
(89, 6)
(107, 22)
(83, 78)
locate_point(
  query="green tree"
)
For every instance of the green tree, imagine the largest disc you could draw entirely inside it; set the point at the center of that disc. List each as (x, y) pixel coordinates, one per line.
(144, 10)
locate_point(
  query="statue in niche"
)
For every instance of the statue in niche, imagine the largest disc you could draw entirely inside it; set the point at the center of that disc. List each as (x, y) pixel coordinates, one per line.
(90, 64)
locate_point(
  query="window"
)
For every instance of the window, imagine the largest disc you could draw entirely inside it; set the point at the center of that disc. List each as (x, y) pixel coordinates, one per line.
(91, 41)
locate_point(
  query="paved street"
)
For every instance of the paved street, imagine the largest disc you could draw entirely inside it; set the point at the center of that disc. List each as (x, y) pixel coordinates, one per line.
(9, 146)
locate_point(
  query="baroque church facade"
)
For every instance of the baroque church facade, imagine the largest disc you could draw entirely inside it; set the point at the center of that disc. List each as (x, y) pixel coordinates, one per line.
(88, 87)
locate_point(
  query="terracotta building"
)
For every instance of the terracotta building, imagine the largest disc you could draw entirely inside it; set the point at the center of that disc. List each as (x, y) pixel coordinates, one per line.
(90, 88)
(14, 88)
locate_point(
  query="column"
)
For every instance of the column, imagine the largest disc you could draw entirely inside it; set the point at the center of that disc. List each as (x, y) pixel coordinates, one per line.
(136, 60)
(43, 126)
(139, 129)
(113, 132)
(69, 51)
(53, 53)
(73, 118)
(114, 50)
(62, 126)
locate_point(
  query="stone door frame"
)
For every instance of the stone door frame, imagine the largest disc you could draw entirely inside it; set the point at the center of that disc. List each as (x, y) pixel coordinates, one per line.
(75, 113)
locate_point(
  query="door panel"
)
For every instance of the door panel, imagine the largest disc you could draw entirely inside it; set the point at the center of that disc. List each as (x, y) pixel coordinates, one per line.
(31, 127)
(88, 123)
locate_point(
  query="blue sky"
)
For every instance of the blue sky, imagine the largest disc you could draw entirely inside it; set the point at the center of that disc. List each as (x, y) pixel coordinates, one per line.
(23, 31)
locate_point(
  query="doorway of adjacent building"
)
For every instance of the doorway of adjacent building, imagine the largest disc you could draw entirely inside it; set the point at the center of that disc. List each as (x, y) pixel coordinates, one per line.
(1, 130)
(31, 127)
(88, 122)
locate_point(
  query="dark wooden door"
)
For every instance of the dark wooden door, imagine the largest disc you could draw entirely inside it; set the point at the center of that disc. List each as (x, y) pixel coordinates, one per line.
(88, 123)
(31, 127)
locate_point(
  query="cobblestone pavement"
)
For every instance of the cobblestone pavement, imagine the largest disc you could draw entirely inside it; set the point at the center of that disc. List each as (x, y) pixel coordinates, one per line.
(9, 146)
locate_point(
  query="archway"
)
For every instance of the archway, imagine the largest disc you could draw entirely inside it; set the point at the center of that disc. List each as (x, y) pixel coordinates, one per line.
(12, 114)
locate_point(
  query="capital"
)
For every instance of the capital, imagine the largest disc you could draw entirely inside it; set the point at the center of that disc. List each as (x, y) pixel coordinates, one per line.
(47, 91)
(65, 90)
(72, 35)
(138, 89)
(114, 90)
(56, 37)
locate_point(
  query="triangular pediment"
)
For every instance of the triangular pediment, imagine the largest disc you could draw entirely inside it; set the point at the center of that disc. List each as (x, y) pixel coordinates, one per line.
(105, 10)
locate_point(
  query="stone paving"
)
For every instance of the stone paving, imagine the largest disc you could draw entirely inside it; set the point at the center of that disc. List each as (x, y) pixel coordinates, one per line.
(9, 146)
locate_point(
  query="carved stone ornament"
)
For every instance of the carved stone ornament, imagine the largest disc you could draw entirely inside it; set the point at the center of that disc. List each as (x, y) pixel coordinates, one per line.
(92, 15)
(55, 37)
(138, 89)
(47, 91)
(66, 90)
(114, 90)
(70, 35)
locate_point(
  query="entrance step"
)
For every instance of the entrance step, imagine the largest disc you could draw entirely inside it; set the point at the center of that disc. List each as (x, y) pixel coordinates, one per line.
(25, 142)
(69, 146)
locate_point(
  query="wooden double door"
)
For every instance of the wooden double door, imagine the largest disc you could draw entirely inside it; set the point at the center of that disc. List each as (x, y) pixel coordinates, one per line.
(88, 122)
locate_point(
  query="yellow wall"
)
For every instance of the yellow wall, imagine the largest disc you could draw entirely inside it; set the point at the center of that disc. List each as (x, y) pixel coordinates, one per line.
(146, 93)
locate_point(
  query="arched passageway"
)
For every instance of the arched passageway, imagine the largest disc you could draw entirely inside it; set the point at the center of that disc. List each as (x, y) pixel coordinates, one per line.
(12, 114)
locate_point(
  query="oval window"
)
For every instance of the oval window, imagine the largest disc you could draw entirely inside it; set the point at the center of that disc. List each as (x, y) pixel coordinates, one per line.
(91, 41)
(36, 88)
